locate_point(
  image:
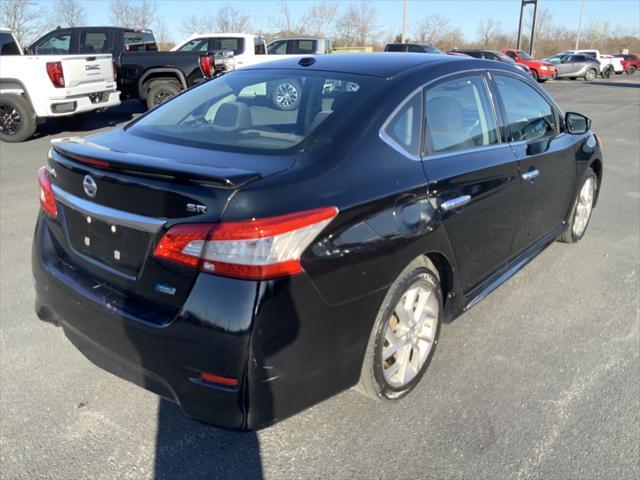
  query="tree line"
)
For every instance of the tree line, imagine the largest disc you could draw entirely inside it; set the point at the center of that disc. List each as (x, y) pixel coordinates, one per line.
(353, 23)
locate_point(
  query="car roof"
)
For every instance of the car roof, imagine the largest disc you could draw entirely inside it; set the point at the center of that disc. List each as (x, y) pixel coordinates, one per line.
(378, 64)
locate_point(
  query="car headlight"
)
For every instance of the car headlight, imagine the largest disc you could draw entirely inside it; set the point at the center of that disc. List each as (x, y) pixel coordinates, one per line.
(544, 67)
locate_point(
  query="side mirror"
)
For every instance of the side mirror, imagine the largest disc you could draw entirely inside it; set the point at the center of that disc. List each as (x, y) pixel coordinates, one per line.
(577, 123)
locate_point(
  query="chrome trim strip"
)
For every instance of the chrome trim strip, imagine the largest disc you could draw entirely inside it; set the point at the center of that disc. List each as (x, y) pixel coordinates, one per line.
(455, 203)
(110, 215)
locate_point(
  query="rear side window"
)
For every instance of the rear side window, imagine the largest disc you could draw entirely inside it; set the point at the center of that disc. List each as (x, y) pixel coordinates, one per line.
(94, 42)
(529, 115)
(140, 42)
(8, 45)
(415, 49)
(460, 115)
(196, 45)
(231, 43)
(303, 46)
(394, 48)
(405, 126)
(55, 45)
(257, 111)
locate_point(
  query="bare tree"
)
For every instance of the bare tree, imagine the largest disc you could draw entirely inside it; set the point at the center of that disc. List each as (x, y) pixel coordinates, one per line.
(24, 18)
(357, 25)
(69, 13)
(321, 17)
(162, 36)
(596, 32)
(437, 30)
(133, 13)
(285, 23)
(228, 19)
(198, 24)
(488, 30)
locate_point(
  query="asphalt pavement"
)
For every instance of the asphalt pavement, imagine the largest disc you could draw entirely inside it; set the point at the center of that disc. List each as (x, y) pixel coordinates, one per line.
(539, 380)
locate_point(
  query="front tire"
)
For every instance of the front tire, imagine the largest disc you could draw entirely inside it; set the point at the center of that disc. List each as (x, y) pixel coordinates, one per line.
(536, 77)
(582, 209)
(405, 334)
(17, 119)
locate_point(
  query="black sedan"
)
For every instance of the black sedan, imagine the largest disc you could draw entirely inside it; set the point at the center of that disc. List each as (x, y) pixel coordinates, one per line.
(249, 261)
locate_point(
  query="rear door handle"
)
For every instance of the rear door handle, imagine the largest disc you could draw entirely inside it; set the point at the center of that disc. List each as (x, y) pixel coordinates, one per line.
(531, 175)
(455, 203)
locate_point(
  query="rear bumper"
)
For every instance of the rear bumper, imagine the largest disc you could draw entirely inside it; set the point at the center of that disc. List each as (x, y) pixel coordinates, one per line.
(287, 347)
(60, 107)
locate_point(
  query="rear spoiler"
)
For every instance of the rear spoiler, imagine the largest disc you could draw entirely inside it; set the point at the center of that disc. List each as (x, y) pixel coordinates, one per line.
(68, 151)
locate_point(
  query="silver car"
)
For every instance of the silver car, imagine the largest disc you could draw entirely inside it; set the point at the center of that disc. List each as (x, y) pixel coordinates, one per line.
(574, 66)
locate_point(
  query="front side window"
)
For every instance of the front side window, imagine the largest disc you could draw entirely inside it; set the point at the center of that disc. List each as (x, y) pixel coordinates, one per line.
(278, 47)
(57, 44)
(405, 126)
(94, 42)
(195, 45)
(529, 115)
(257, 111)
(460, 115)
(511, 55)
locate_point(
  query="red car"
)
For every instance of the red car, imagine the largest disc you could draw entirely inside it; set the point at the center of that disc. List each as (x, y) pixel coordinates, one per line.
(630, 63)
(541, 70)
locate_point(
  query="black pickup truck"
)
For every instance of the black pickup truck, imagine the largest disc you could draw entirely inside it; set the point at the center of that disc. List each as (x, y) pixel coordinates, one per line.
(142, 71)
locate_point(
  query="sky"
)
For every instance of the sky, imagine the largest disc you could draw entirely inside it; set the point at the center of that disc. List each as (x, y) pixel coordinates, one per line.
(464, 14)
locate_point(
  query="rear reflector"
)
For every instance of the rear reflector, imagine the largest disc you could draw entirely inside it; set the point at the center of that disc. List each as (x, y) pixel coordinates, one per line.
(56, 75)
(47, 201)
(257, 249)
(219, 379)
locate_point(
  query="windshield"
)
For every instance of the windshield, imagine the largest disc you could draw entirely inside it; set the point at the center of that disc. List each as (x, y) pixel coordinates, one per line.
(257, 111)
(503, 57)
(524, 55)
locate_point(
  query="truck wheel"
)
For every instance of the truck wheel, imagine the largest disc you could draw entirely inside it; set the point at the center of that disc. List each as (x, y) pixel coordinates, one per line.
(631, 70)
(162, 91)
(17, 119)
(590, 75)
(606, 73)
(285, 94)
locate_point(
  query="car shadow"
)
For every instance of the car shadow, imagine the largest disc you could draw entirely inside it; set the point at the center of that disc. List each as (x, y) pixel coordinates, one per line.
(614, 84)
(88, 122)
(188, 449)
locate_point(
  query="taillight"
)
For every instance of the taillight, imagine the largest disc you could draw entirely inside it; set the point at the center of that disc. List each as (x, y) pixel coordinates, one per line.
(56, 75)
(257, 249)
(47, 201)
(115, 69)
(207, 65)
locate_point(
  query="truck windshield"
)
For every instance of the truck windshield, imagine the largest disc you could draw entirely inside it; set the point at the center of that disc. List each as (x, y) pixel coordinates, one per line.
(256, 111)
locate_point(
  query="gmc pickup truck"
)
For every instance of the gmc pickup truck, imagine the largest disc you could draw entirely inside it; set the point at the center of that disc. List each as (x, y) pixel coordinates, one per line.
(142, 71)
(34, 87)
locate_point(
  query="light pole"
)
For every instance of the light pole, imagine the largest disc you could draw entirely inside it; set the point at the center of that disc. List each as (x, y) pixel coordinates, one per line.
(533, 23)
(580, 25)
(404, 21)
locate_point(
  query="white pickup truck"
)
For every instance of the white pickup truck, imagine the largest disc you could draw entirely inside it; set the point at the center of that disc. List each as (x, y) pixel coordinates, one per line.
(34, 87)
(247, 49)
(608, 63)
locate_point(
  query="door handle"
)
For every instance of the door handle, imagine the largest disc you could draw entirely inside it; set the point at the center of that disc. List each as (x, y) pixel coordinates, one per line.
(531, 175)
(455, 203)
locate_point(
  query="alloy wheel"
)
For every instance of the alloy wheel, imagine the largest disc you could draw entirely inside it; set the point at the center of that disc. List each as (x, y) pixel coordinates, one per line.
(410, 334)
(584, 207)
(286, 96)
(10, 120)
(590, 75)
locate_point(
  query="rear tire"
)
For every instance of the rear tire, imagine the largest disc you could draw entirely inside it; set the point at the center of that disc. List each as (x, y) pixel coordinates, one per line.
(389, 374)
(606, 73)
(285, 94)
(631, 70)
(161, 91)
(17, 118)
(582, 209)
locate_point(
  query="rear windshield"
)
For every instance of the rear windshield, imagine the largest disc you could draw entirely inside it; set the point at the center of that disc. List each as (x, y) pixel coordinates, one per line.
(139, 42)
(257, 111)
